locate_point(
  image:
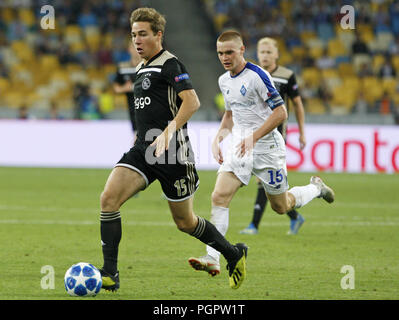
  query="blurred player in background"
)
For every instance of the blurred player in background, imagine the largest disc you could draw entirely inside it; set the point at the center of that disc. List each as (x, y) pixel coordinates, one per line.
(254, 110)
(285, 82)
(124, 81)
(164, 101)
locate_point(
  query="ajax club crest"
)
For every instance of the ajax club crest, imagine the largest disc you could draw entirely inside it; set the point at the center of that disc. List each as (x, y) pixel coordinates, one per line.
(146, 84)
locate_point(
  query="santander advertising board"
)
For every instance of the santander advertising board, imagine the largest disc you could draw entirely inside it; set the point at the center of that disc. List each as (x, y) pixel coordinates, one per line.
(344, 148)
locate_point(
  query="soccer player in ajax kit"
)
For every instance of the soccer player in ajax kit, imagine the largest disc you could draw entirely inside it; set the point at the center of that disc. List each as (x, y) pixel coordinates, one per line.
(164, 102)
(254, 110)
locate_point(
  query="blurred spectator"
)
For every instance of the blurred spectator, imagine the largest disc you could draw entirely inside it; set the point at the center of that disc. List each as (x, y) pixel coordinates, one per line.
(219, 104)
(308, 91)
(104, 55)
(53, 112)
(23, 113)
(359, 46)
(381, 20)
(361, 106)
(325, 61)
(387, 69)
(86, 104)
(385, 105)
(307, 61)
(65, 55)
(105, 103)
(324, 94)
(365, 70)
(3, 70)
(394, 46)
(16, 30)
(394, 15)
(87, 17)
(396, 114)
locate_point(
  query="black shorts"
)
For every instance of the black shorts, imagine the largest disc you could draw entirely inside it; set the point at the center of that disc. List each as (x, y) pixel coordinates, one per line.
(179, 180)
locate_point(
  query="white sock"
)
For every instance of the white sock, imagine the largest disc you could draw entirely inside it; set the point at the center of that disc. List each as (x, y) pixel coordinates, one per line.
(220, 219)
(304, 194)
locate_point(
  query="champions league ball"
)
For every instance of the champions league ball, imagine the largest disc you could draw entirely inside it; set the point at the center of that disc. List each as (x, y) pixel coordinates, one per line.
(83, 279)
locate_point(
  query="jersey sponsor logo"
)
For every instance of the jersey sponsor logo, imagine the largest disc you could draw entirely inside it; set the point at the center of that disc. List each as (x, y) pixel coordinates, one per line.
(183, 76)
(140, 103)
(146, 84)
(243, 90)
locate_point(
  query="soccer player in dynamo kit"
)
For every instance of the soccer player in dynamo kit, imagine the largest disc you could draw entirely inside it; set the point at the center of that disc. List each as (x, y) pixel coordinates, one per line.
(254, 110)
(164, 101)
(285, 82)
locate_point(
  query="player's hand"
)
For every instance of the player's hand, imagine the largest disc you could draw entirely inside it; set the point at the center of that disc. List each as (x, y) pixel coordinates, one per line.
(161, 143)
(302, 142)
(217, 152)
(245, 146)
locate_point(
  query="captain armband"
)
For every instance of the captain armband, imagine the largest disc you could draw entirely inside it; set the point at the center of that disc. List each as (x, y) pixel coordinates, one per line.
(274, 100)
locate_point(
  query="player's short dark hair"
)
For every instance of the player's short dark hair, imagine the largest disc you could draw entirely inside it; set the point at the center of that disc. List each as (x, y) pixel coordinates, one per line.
(230, 35)
(156, 20)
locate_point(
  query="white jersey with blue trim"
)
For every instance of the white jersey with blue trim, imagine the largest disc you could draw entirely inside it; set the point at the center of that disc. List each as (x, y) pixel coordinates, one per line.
(251, 96)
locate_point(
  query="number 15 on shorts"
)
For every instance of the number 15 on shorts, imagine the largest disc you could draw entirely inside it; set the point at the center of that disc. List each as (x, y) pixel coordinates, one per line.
(275, 176)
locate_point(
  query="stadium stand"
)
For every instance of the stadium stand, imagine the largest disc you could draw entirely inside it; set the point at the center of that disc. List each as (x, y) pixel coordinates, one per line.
(335, 67)
(39, 67)
(312, 42)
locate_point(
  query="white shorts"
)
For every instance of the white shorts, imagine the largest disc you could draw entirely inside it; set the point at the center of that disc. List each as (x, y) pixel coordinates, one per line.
(270, 168)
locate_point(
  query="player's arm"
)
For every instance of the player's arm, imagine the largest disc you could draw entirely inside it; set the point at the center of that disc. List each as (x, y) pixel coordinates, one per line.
(190, 104)
(273, 100)
(278, 116)
(123, 88)
(300, 119)
(293, 93)
(226, 125)
(121, 85)
(225, 128)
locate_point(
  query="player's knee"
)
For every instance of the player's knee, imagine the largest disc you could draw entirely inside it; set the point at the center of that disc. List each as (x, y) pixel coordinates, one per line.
(185, 226)
(108, 202)
(219, 198)
(279, 208)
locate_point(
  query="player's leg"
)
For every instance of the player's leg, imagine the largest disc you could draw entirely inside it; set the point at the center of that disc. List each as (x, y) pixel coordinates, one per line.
(122, 184)
(226, 186)
(259, 209)
(206, 232)
(297, 197)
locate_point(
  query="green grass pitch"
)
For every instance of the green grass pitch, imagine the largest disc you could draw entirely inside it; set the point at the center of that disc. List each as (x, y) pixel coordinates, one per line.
(51, 217)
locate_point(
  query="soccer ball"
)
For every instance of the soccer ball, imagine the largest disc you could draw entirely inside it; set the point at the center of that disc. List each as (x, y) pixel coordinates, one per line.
(83, 279)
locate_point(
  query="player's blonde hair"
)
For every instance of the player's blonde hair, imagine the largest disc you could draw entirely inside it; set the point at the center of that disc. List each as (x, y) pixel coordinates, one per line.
(268, 40)
(231, 35)
(156, 20)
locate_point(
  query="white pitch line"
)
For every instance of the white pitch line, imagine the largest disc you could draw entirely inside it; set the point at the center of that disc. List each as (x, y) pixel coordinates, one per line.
(351, 205)
(171, 224)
